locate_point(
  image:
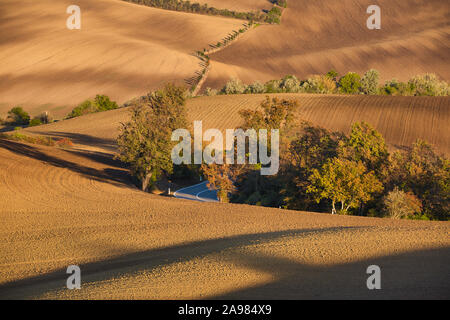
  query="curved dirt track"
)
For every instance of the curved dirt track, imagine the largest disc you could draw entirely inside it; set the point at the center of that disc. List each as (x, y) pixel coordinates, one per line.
(401, 120)
(317, 36)
(64, 207)
(122, 50)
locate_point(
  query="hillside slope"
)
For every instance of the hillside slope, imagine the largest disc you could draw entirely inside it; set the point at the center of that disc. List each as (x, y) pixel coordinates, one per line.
(317, 36)
(65, 207)
(122, 50)
(401, 120)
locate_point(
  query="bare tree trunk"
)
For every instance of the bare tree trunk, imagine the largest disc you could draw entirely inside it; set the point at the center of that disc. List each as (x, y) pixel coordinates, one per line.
(146, 181)
(333, 211)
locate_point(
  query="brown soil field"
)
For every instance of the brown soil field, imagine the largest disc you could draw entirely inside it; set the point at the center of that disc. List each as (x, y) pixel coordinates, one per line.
(317, 36)
(401, 120)
(238, 5)
(122, 50)
(63, 207)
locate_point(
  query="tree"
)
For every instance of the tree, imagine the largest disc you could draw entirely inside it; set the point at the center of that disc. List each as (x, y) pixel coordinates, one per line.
(19, 116)
(234, 86)
(220, 178)
(399, 204)
(344, 181)
(145, 141)
(426, 174)
(350, 83)
(369, 82)
(367, 145)
(429, 85)
(100, 103)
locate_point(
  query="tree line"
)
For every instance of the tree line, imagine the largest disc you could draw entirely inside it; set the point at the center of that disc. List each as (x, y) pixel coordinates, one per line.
(270, 16)
(333, 83)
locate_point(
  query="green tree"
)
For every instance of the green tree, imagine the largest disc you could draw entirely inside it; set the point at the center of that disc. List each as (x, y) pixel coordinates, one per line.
(369, 82)
(18, 116)
(145, 141)
(344, 181)
(427, 175)
(367, 145)
(350, 83)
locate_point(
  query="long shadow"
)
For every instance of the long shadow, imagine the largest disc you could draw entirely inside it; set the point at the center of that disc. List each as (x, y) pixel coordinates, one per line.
(422, 274)
(116, 177)
(84, 139)
(143, 260)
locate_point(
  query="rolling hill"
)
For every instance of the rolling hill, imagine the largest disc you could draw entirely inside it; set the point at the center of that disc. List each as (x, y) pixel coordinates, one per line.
(401, 120)
(122, 50)
(317, 36)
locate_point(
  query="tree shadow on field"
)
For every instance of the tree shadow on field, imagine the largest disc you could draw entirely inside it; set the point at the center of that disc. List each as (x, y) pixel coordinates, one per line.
(84, 139)
(109, 175)
(421, 274)
(143, 261)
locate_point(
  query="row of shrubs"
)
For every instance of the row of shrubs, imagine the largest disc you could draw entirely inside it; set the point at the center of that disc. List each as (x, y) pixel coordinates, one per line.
(271, 16)
(351, 83)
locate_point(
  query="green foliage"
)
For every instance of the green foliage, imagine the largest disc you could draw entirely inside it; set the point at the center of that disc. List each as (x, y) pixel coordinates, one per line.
(211, 92)
(273, 114)
(350, 83)
(255, 87)
(100, 103)
(344, 181)
(234, 86)
(145, 141)
(272, 16)
(427, 175)
(367, 145)
(369, 82)
(399, 204)
(35, 122)
(273, 86)
(290, 83)
(319, 84)
(332, 74)
(18, 116)
(428, 85)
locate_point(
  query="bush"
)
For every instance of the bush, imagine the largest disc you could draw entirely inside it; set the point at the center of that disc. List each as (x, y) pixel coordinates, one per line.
(399, 204)
(18, 116)
(332, 74)
(369, 82)
(290, 84)
(100, 103)
(255, 87)
(273, 86)
(319, 84)
(210, 92)
(35, 122)
(234, 86)
(428, 85)
(350, 83)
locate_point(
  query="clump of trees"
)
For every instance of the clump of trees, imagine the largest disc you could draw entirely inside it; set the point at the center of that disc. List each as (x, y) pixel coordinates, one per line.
(272, 16)
(145, 141)
(18, 116)
(350, 83)
(99, 104)
(331, 171)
